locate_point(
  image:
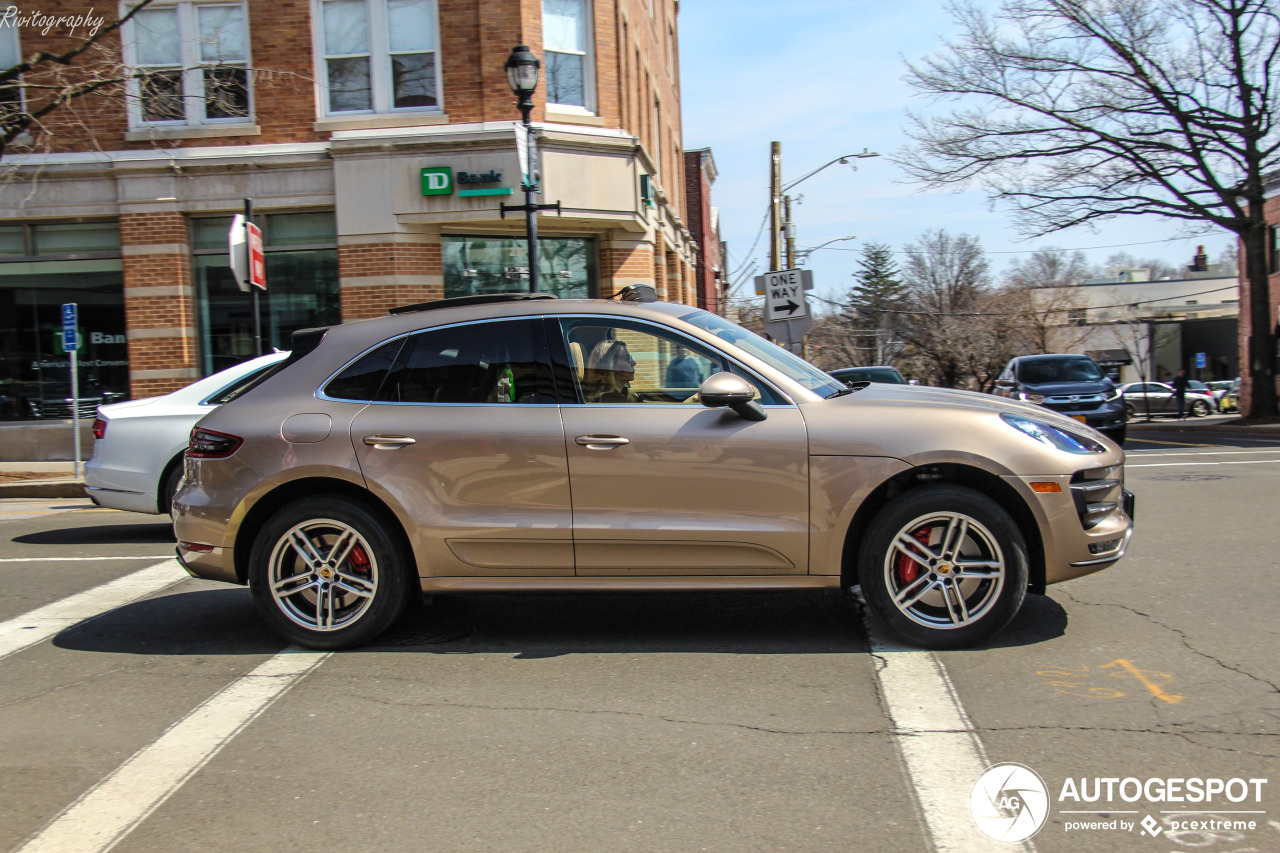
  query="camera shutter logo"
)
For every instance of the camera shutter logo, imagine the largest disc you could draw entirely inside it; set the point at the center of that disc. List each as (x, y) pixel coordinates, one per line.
(1009, 802)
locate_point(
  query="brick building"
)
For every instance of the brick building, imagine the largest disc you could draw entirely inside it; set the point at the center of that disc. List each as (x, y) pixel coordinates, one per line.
(1272, 212)
(704, 223)
(377, 139)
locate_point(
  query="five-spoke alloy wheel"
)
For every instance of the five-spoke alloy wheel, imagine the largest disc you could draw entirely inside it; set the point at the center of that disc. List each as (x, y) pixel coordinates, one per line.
(327, 573)
(944, 567)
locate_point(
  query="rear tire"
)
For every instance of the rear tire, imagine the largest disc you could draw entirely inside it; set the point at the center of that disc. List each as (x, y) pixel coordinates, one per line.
(1200, 409)
(169, 486)
(944, 567)
(329, 573)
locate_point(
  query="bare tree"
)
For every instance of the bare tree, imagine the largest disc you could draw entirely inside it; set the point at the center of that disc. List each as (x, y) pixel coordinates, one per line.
(945, 278)
(1141, 337)
(1088, 109)
(1043, 300)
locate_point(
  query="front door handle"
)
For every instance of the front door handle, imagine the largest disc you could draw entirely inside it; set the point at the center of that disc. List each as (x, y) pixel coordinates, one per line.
(388, 442)
(600, 442)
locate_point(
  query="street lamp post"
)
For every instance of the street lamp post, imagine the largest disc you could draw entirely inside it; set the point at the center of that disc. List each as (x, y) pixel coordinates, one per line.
(522, 76)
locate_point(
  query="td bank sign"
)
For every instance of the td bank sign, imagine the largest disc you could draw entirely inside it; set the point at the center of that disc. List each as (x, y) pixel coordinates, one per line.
(440, 180)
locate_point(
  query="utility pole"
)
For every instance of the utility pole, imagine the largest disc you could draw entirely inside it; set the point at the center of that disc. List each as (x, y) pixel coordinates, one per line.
(790, 230)
(775, 218)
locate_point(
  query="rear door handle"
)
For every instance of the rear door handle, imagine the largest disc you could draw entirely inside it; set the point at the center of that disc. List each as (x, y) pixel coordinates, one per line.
(600, 442)
(388, 442)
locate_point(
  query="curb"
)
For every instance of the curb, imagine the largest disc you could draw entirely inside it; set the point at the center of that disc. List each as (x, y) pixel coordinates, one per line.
(1198, 426)
(43, 489)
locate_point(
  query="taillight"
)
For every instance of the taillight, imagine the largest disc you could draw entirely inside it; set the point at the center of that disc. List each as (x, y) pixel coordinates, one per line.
(99, 428)
(210, 444)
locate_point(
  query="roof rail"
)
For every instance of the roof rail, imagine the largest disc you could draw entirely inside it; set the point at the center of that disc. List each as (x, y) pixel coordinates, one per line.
(478, 299)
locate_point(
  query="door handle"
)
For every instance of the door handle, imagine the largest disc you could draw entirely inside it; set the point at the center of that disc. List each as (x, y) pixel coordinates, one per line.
(600, 442)
(388, 442)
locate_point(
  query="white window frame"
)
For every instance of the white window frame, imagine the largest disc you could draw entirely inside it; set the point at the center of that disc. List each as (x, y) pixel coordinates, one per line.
(588, 66)
(380, 53)
(192, 67)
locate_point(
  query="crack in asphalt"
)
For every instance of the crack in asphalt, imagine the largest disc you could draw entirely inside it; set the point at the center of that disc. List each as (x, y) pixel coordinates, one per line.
(1182, 636)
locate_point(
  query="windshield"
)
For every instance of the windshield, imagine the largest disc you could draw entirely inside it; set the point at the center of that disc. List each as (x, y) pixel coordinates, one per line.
(775, 356)
(1044, 370)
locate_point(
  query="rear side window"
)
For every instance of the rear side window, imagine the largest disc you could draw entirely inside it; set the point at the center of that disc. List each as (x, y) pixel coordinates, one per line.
(242, 384)
(503, 361)
(360, 381)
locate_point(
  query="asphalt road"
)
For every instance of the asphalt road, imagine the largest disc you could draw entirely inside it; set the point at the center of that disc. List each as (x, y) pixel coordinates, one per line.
(172, 720)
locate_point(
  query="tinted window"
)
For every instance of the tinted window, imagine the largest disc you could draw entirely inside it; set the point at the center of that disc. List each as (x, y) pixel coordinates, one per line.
(1059, 370)
(233, 390)
(362, 379)
(500, 362)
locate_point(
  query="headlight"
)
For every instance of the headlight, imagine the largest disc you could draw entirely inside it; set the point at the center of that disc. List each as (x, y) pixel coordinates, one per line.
(1106, 398)
(1056, 437)
(1030, 398)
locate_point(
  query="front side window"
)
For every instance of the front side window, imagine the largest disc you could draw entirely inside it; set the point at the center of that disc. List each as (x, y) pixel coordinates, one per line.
(192, 63)
(380, 56)
(502, 362)
(617, 361)
(786, 363)
(566, 36)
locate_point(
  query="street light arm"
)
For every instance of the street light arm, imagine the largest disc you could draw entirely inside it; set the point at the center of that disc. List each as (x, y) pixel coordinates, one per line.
(841, 159)
(804, 253)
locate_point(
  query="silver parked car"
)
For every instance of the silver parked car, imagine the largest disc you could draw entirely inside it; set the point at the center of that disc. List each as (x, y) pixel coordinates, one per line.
(1158, 399)
(520, 443)
(138, 444)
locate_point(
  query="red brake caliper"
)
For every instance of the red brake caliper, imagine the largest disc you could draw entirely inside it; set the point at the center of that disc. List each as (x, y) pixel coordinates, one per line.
(909, 569)
(359, 559)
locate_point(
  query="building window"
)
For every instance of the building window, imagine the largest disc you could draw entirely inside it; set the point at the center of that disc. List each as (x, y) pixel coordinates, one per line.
(192, 62)
(380, 56)
(1273, 249)
(42, 267)
(10, 90)
(566, 36)
(566, 266)
(302, 285)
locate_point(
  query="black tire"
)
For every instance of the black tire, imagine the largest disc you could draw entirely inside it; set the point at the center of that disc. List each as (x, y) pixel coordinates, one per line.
(1200, 409)
(934, 619)
(169, 487)
(364, 593)
(1130, 411)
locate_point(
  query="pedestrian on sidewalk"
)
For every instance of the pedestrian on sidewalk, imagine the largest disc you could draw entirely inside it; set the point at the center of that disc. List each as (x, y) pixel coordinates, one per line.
(1180, 392)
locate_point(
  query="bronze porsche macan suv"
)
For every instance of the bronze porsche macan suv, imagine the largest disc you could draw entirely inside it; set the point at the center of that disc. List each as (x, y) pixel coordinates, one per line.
(517, 442)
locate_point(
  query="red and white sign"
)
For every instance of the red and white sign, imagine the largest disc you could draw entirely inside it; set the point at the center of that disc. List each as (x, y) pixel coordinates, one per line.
(257, 262)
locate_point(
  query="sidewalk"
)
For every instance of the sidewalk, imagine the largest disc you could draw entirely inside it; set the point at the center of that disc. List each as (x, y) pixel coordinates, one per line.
(40, 480)
(1229, 424)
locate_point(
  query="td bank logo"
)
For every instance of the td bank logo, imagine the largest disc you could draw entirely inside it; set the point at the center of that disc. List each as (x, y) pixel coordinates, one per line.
(1009, 802)
(437, 181)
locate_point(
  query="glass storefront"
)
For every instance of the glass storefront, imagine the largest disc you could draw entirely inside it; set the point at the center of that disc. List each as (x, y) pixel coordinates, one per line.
(566, 266)
(302, 285)
(42, 267)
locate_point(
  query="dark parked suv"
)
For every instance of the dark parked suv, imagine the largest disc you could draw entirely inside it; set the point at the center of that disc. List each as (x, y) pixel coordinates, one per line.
(1071, 384)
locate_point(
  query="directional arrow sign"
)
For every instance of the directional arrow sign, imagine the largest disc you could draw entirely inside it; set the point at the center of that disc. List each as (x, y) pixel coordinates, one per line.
(784, 296)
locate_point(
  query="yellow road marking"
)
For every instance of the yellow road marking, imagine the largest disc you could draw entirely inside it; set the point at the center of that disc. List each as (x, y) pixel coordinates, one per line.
(1145, 677)
(1173, 443)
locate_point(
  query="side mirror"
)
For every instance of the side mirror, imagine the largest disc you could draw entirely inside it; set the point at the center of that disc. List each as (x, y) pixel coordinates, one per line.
(731, 390)
(1004, 383)
(1114, 377)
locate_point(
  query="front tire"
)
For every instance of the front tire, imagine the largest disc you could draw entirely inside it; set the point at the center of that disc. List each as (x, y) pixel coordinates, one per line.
(328, 573)
(944, 567)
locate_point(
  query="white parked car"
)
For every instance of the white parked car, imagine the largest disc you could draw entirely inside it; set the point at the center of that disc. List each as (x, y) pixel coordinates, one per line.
(137, 454)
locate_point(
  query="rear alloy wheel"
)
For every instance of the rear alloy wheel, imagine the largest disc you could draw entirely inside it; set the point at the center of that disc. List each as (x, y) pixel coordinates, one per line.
(1130, 411)
(327, 573)
(169, 488)
(1200, 409)
(944, 567)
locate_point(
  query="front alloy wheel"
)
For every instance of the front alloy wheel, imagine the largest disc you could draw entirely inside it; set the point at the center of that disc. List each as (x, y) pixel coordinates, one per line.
(944, 567)
(327, 574)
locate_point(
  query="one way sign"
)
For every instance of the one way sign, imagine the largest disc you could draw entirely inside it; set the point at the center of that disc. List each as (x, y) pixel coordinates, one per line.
(784, 295)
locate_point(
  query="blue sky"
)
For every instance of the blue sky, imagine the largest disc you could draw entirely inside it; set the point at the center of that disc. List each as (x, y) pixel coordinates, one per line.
(824, 78)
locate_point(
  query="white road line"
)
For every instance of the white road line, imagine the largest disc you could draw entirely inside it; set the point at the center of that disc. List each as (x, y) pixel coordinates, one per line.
(943, 754)
(110, 810)
(44, 622)
(1199, 452)
(80, 559)
(1223, 462)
